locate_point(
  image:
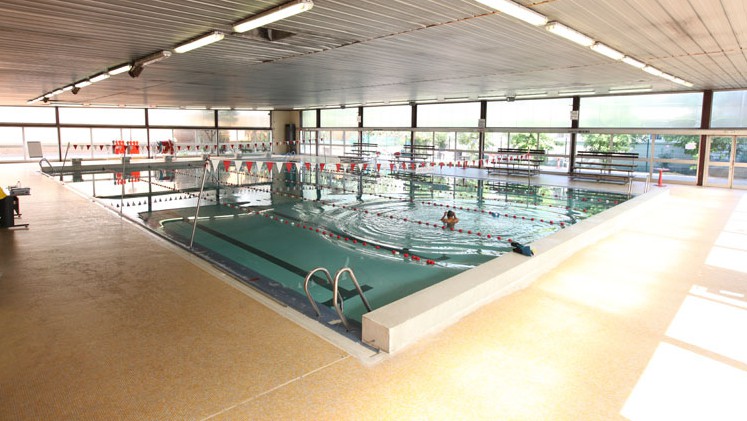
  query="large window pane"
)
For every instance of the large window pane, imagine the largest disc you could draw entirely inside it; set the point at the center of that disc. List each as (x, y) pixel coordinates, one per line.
(617, 142)
(393, 116)
(729, 109)
(48, 138)
(244, 118)
(449, 115)
(534, 113)
(103, 116)
(388, 143)
(79, 140)
(39, 115)
(201, 118)
(11, 144)
(495, 141)
(308, 118)
(343, 117)
(662, 111)
(681, 147)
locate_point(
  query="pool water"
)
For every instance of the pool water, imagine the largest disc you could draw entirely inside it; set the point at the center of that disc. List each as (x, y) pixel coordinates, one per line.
(272, 230)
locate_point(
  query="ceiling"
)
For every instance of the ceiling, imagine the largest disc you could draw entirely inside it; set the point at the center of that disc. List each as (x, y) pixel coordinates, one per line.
(361, 51)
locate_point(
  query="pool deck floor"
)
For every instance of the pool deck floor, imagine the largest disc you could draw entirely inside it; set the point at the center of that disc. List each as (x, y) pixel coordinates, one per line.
(99, 319)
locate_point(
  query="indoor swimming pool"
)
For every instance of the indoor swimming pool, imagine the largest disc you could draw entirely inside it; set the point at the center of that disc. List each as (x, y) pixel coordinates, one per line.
(270, 229)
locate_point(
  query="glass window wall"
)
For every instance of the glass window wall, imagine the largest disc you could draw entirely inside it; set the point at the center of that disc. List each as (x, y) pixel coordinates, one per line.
(729, 109)
(533, 113)
(642, 111)
(449, 115)
(342, 117)
(181, 118)
(243, 118)
(391, 116)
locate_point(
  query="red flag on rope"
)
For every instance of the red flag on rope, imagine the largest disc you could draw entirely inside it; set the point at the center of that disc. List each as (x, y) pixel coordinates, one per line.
(288, 166)
(321, 166)
(226, 164)
(378, 167)
(269, 166)
(352, 166)
(308, 165)
(391, 166)
(338, 165)
(249, 166)
(365, 165)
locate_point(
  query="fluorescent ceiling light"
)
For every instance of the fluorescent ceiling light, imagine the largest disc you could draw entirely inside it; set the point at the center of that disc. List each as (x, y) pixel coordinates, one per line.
(633, 62)
(35, 100)
(57, 92)
(119, 69)
(682, 82)
(82, 84)
(632, 89)
(561, 30)
(652, 70)
(150, 59)
(518, 11)
(281, 12)
(532, 95)
(68, 88)
(579, 93)
(202, 41)
(607, 51)
(99, 77)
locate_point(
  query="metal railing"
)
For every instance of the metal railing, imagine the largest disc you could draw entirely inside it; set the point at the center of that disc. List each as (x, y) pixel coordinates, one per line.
(207, 164)
(337, 301)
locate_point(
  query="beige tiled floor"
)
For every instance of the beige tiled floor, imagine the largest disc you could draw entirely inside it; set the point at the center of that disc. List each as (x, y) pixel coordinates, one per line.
(99, 320)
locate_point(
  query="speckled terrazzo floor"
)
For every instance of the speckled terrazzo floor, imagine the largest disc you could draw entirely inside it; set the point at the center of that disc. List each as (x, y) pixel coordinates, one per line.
(100, 320)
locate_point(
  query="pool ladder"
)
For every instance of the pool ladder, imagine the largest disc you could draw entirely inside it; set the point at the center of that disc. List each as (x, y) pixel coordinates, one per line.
(336, 298)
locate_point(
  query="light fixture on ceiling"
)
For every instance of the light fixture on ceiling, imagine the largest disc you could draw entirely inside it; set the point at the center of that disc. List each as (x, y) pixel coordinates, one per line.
(630, 89)
(516, 10)
(577, 93)
(572, 35)
(281, 12)
(35, 100)
(99, 77)
(68, 88)
(139, 64)
(119, 69)
(676, 80)
(633, 62)
(652, 70)
(200, 41)
(531, 95)
(607, 51)
(82, 83)
(56, 92)
(682, 82)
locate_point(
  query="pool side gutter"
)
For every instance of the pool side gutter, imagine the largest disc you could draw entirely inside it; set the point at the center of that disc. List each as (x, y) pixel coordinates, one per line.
(395, 326)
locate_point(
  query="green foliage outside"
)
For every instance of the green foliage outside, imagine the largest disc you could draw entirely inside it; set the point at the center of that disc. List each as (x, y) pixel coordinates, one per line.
(532, 141)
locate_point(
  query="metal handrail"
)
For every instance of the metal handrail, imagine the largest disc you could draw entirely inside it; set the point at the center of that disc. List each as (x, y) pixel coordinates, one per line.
(48, 163)
(197, 211)
(306, 287)
(336, 292)
(64, 160)
(336, 298)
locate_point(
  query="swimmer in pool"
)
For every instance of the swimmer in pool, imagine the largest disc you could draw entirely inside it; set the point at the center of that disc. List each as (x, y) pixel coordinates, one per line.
(449, 219)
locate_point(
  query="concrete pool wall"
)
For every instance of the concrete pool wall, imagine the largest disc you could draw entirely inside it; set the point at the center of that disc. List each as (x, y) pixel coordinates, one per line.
(393, 327)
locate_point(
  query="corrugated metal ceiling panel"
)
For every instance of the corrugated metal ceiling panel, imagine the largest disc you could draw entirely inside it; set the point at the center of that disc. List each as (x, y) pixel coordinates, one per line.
(367, 50)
